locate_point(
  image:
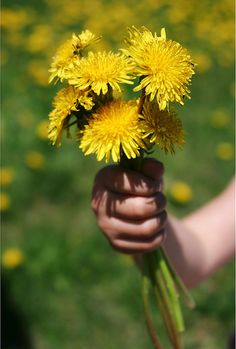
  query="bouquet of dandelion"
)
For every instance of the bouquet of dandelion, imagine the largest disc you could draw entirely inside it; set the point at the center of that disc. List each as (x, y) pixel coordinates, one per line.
(126, 131)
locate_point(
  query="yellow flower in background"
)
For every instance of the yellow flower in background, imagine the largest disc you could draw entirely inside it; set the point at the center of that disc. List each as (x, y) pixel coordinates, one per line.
(220, 119)
(35, 160)
(14, 20)
(6, 176)
(40, 39)
(100, 70)
(12, 258)
(113, 129)
(42, 129)
(225, 151)
(181, 192)
(5, 202)
(68, 53)
(66, 101)
(165, 68)
(162, 127)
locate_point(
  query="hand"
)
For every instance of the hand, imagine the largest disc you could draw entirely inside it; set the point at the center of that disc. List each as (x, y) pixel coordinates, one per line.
(130, 207)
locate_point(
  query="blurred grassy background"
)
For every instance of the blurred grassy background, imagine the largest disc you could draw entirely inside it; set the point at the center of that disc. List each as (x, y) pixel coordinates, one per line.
(62, 282)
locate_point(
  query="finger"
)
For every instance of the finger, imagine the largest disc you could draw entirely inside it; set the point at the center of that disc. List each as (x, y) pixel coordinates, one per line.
(117, 179)
(133, 207)
(131, 247)
(143, 230)
(154, 169)
(138, 230)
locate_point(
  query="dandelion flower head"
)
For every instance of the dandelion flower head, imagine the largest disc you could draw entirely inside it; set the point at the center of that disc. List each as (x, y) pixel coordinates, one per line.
(112, 130)
(68, 53)
(165, 67)
(162, 127)
(140, 38)
(66, 101)
(85, 39)
(100, 70)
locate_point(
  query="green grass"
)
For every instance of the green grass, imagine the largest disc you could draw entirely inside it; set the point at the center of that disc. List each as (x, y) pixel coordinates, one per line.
(72, 290)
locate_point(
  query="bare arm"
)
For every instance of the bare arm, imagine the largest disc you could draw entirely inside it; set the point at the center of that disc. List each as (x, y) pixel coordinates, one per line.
(204, 240)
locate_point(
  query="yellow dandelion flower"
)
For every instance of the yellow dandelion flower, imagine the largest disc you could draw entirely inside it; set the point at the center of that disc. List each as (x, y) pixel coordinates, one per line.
(140, 38)
(85, 39)
(164, 65)
(100, 70)
(181, 192)
(68, 52)
(35, 160)
(225, 151)
(5, 202)
(162, 127)
(12, 258)
(6, 176)
(67, 100)
(112, 130)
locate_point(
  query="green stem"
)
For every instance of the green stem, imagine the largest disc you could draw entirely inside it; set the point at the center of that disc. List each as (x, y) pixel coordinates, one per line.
(172, 291)
(147, 311)
(162, 295)
(178, 282)
(162, 308)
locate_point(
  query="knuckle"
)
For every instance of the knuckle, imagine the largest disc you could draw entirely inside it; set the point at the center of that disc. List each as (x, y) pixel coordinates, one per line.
(151, 227)
(138, 208)
(147, 229)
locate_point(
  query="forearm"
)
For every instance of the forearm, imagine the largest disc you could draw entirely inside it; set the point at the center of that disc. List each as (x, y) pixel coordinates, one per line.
(203, 241)
(185, 252)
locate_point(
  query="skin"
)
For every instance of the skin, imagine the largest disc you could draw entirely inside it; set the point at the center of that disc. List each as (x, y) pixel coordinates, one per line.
(131, 212)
